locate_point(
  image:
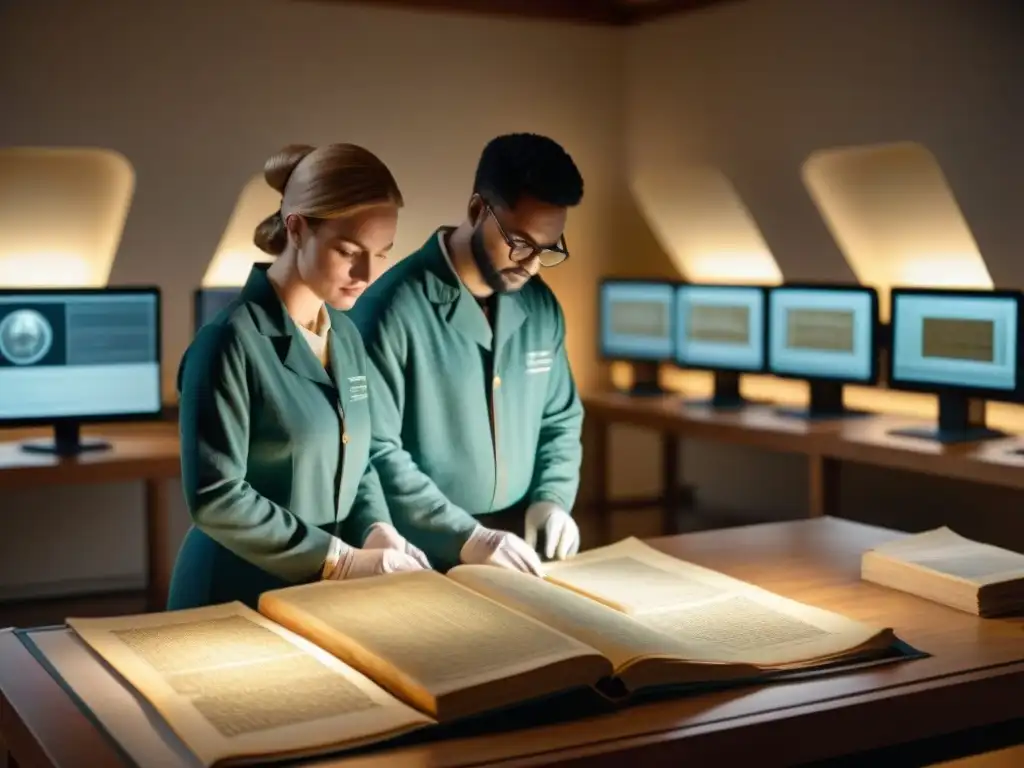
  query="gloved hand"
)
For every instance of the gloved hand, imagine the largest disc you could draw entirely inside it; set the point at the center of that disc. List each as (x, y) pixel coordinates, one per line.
(384, 536)
(561, 534)
(486, 546)
(355, 563)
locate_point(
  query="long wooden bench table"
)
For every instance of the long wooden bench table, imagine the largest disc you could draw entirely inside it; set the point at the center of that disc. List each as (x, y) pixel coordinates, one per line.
(971, 680)
(824, 444)
(148, 453)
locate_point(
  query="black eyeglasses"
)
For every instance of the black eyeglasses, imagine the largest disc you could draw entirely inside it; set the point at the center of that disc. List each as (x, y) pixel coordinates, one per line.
(519, 250)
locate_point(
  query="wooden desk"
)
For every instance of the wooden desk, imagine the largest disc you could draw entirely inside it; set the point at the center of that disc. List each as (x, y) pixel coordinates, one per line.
(754, 427)
(866, 441)
(825, 444)
(139, 452)
(972, 680)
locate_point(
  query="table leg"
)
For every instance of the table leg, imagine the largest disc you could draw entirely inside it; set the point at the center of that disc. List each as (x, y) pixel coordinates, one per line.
(823, 493)
(670, 483)
(157, 544)
(602, 493)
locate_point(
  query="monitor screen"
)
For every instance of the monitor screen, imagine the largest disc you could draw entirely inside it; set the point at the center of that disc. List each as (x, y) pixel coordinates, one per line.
(79, 354)
(950, 339)
(208, 302)
(636, 320)
(720, 327)
(823, 333)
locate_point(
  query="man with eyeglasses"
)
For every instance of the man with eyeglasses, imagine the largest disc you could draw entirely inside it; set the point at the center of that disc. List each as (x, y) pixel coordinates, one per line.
(476, 418)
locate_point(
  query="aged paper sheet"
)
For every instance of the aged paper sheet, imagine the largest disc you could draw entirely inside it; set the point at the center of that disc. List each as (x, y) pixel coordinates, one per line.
(137, 728)
(442, 635)
(729, 619)
(949, 553)
(233, 684)
(620, 638)
(943, 566)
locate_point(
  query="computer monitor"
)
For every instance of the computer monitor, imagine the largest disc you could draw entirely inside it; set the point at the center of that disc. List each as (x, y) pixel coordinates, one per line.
(722, 329)
(208, 302)
(826, 335)
(636, 327)
(964, 346)
(75, 356)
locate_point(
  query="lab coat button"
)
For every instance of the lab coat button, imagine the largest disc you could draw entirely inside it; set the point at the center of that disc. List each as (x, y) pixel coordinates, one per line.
(497, 381)
(344, 438)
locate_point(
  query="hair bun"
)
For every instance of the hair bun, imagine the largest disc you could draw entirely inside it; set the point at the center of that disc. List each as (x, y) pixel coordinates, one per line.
(278, 169)
(271, 235)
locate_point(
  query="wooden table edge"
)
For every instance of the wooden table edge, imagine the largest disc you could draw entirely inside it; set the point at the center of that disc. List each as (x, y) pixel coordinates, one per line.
(152, 453)
(24, 685)
(883, 710)
(23, 679)
(829, 444)
(965, 468)
(679, 424)
(29, 478)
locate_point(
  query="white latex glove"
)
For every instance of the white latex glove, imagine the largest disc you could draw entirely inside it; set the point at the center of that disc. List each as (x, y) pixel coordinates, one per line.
(354, 563)
(561, 534)
(384, 536)
(486, 546)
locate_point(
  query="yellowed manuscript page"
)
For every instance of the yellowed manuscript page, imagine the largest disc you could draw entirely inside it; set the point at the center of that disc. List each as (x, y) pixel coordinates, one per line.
(234, 685)
(733, 620)
(948, 553)
(620, 638)
(421, 635)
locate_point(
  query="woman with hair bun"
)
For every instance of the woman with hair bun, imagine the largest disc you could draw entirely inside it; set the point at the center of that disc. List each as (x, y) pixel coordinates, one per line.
(275, 420)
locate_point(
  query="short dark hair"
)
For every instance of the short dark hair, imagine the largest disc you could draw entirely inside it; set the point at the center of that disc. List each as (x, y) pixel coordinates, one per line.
(521, 165)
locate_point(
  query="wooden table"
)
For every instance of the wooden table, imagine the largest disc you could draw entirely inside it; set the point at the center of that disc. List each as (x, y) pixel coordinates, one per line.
(146, 452)
(973, 679)
(825, 444)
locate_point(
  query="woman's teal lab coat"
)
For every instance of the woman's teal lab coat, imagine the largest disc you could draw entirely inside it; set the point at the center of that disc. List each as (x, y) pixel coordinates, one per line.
(274, 452)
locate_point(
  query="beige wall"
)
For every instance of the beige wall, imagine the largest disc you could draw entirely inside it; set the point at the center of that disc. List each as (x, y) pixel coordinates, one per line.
(197, 93)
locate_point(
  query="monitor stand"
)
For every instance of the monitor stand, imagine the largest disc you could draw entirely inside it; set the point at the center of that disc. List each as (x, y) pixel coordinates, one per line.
(961, 420)
(826, 402)
(725, 396)
(645, 381)
(67, 441)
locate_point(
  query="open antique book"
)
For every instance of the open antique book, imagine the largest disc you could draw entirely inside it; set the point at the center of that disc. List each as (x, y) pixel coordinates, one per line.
(335, 665)
(943, 566)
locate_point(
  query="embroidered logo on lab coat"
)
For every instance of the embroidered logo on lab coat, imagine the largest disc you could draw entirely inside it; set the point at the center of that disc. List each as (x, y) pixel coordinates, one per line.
(539, 361)
(357, 388)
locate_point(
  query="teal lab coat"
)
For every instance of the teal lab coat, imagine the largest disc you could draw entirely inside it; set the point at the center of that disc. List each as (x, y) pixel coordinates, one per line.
(437, 373)
(274, 452)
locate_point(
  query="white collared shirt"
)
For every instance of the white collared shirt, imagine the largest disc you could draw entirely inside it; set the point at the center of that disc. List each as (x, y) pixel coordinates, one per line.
(318, 340)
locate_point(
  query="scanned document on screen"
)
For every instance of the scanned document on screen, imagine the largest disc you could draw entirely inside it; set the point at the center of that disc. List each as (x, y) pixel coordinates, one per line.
(639, 318)
(719, 323)
(820, 330)
(952, 338)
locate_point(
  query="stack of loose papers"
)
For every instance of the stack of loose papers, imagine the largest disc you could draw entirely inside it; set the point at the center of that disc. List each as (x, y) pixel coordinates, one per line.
(943, 566)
